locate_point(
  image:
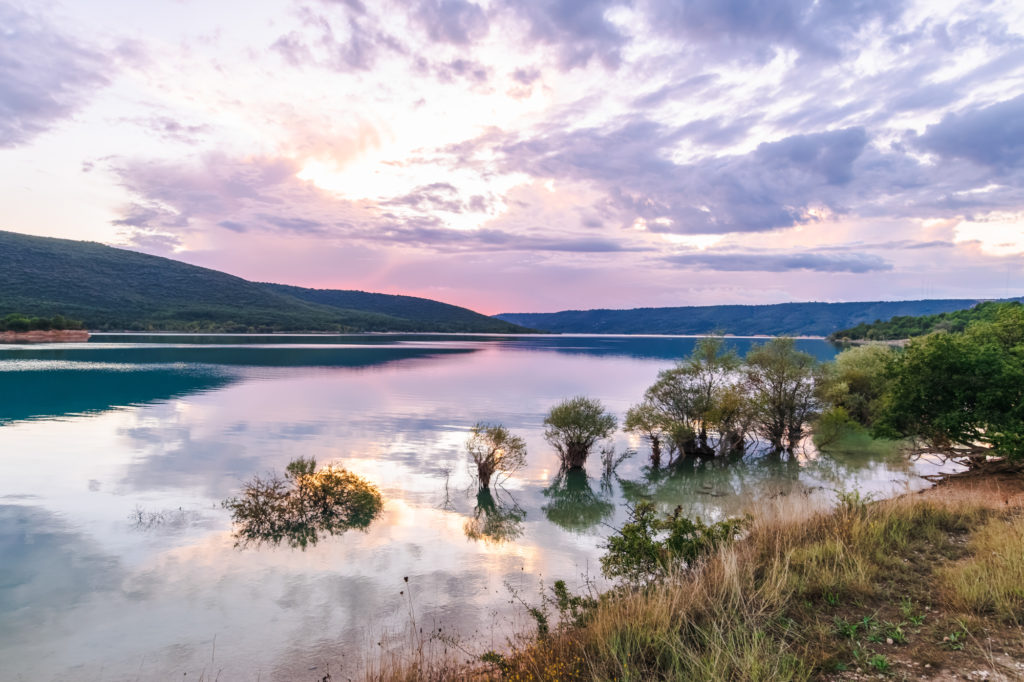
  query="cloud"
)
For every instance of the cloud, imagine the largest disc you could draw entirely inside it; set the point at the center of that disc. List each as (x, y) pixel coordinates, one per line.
(45, 76)
(774, 186)
(858, 263)
(580, 31)
(348, 45)
(452, 21)
(820, 29)
(991, 136)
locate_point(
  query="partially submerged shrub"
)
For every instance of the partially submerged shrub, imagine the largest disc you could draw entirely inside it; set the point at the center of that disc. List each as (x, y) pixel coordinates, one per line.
(574, 426)
(302, 505)
(649, 547)
(495, 450)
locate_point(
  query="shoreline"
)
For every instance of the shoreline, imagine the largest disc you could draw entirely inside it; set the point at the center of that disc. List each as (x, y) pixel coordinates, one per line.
(46, 336)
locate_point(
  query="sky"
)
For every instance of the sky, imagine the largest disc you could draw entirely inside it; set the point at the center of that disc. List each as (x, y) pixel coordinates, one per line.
(517, 156)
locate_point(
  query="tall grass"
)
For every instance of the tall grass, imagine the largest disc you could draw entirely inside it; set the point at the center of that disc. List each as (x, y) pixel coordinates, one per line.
(802, 595)
(991, 580)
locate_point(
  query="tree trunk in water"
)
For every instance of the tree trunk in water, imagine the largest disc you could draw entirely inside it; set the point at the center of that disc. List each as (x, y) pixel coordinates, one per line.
(575, 456)
(655, 452)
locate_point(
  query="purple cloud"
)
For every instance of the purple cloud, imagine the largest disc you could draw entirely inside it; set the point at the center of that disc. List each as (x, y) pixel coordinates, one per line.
(45, 76)
(858, 263)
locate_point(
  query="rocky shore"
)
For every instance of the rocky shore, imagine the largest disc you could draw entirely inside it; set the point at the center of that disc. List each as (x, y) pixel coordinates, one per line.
(45, 336)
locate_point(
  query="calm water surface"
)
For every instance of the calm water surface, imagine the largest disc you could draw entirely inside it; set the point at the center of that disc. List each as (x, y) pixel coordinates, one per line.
(117, 560)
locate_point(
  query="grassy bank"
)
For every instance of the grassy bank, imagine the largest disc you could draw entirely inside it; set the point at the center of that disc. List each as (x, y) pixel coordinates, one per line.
(928, 585)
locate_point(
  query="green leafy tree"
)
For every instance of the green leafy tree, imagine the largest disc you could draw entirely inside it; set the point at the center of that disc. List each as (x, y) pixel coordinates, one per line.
(690, 397)
(962, 393)
(780, 379)
(493, 449)
(856, 381)
(574, 426)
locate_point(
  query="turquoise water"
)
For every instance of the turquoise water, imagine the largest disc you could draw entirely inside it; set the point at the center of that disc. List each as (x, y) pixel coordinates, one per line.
(115, 455)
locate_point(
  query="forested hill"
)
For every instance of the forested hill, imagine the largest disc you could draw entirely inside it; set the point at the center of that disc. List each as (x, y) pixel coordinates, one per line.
(794, 319)
(904, 327)
(406, 307)
(111, 289)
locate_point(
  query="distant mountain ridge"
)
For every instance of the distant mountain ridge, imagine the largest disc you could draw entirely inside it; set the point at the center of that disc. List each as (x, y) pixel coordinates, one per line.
(791, 319)
(116, 289)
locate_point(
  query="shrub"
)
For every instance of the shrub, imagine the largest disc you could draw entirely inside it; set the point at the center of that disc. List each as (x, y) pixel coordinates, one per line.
(495, 450)
(649, 547)
(574, 426)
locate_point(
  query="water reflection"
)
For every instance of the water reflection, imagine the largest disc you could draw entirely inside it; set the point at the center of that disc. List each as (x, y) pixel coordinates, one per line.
(146, 605)
(573, 504)
(497, 517)
(57, 392)
(303, 505)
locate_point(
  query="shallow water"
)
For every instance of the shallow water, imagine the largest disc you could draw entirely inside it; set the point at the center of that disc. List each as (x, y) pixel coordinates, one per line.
(118, 561)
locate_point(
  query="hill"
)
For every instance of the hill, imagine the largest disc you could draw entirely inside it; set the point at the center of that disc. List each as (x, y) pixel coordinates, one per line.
(905, 327)
(112, 289)
(794, 319)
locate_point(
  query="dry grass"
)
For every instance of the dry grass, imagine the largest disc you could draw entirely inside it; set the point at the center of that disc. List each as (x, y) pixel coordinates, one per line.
(832, 595)
(991, 580)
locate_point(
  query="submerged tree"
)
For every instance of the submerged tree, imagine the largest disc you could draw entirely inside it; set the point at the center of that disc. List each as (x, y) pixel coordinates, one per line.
(574, 426)
(698, 398)
(645, 420)
(495, 450)
(302, 505)
(495, 519)
(780, 379)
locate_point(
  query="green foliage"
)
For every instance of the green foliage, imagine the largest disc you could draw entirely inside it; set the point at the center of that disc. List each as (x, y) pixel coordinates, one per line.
(696, 398)
(908, 326)
(16, 322)
(573, 427)
(646, 420)
(303, 505)
(493, 449)
(831, 426)
(649, 547)
(961, 393)
(116, 289)
(856, 380)
(781, 384)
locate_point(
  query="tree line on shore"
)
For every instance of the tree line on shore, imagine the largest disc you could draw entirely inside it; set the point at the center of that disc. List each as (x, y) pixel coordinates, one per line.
(16, 322)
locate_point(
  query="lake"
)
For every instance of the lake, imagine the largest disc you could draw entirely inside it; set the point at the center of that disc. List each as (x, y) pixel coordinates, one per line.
(118, 560)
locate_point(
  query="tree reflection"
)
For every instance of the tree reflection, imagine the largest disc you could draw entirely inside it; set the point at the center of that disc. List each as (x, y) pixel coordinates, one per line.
(574, 505)
(495, 520)
(302, 506)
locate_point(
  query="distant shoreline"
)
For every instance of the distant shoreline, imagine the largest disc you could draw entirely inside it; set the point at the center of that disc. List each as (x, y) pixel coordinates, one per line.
(45, 336)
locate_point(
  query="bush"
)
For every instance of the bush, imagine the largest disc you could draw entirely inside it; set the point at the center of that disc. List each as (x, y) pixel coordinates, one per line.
(495, 450)
(648, 548)
(574, 426)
